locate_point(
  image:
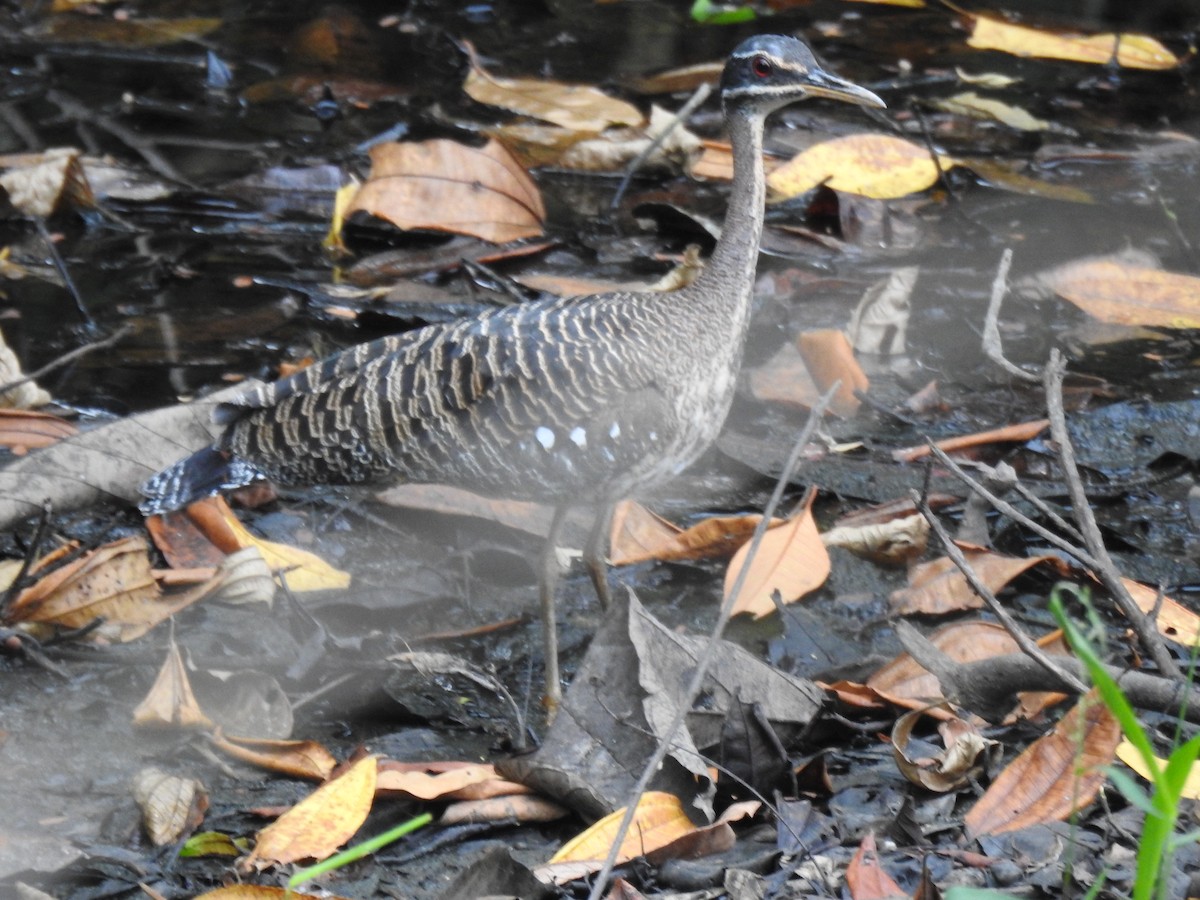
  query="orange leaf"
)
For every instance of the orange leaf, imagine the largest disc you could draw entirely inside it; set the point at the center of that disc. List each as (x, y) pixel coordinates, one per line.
(1174, 620)
(446, 186)
(170, 700)
(1134, 51)
(829, 358)
(639, 535)
(257, 892)
(784, 378)
(1132, 295)
(23, 429)
(791, 560)
(300, 759)
(938, 587)
(866, 878)
(659, 819)
(1016, 433)
(320, 823)
(457, 782)
(1056, 776)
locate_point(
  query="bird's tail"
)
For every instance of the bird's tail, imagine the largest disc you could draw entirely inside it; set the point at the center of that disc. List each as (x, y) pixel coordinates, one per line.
(193, 478)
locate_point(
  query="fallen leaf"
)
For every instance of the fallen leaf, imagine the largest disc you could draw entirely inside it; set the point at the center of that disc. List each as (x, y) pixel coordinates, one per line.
(260, 892)
(433, 781)
(320, 823)
(1174, 621)
(171, 805)
(22, 430)
(829, 358)
(1125, 294)
(879, 324)
(865, 876)
(971, 104)
(299, 759)
(938, 587)
(946, 770)
(638, 535)
(1135, 51)
(129, 32)
(1129, 754)
(891, 543)
(659, 819)
(790, 561)
(48, 183)
(170, 701)
(572, 106)
(878, 166)
(1054, 777)
(508, 808)
(784, 378)
(443, 185)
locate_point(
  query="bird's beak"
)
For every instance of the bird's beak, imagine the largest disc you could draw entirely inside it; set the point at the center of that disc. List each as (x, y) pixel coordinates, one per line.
(821, 84)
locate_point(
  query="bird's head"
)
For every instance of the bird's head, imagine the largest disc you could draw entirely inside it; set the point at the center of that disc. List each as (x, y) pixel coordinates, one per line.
(768, 71)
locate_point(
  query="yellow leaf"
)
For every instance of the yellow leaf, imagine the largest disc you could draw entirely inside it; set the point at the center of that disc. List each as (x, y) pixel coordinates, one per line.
(791, 560)
(873, 165)
(1128, 754)
(658, 821)
(303, 571)
(972, 104)
(1134, 51)
(1132, 295)
(320, 823)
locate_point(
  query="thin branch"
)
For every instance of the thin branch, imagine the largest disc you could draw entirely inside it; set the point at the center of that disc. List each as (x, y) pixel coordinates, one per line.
(1026, 644)
(69, 356)
(992, 345)
(708, 654)
(1102, 563)
(700, 95)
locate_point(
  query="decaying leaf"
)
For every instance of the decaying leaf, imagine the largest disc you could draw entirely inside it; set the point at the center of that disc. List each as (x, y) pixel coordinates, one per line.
(170, 701)
(22, 430)
(1135, 51)
(509, 808)
(944, 770)
(878, 166)
(24, 395)
(443, 185)
(260, 892)
(1055, 776)
(321, 822)
(445, 781)
(784, 378)
(1174, 620)
(790, 561)
(577, 107)
(128, 31)
(1129, 754)
(47, 183)
(1019, 432)
(865, 876)
(894, 542)
(880, 321)
(1125, 294)
(171, 805)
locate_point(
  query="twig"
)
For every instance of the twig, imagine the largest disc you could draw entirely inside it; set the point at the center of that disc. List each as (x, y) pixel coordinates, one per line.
(61, 265)
(1102, 563)
(1027, 645)
(700, 95)
(69, 356)
(706, 657)
(992, 346)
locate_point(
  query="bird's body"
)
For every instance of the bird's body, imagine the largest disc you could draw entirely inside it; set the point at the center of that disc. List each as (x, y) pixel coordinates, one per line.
(564, 400)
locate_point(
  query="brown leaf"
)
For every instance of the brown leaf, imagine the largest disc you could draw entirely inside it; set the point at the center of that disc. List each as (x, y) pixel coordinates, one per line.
(947, 770)
(878, 166)
(639, 535)
(938, 587)
(259, 892)
(430, 781)
(1055, 776)
(170, 701)
(1135, 51)
(523, 515)
(1174, 621)
(1124, 294)
(113, 582)
(320, 823)
(829, 358)
(891, 543)
(784, 378)
(576, 107)
(1016, 433)
(866, 878)
(504, 808)
(130, 32)
(791, 561)
(446, 186)
(299, 759)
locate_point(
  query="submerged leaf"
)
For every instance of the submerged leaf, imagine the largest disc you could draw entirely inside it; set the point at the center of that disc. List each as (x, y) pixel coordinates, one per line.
(1135, 51)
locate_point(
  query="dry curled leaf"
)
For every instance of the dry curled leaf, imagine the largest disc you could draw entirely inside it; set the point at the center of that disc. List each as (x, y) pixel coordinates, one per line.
(171, 805)
(170, 701)
(829, 358)
(299, 759)
(944, 770)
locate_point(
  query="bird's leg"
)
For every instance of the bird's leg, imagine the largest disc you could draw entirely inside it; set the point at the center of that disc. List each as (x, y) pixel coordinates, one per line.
(547, 581)
(595, 552)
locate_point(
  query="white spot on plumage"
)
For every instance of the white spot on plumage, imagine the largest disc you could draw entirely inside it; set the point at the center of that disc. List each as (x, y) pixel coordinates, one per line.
(578, 436)
(615, 431)
(545, 437)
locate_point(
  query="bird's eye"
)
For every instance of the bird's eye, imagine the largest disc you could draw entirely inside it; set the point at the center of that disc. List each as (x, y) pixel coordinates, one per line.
(761, 66)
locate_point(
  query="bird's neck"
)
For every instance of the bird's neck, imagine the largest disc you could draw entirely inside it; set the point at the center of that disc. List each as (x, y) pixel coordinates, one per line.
(728, 278)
